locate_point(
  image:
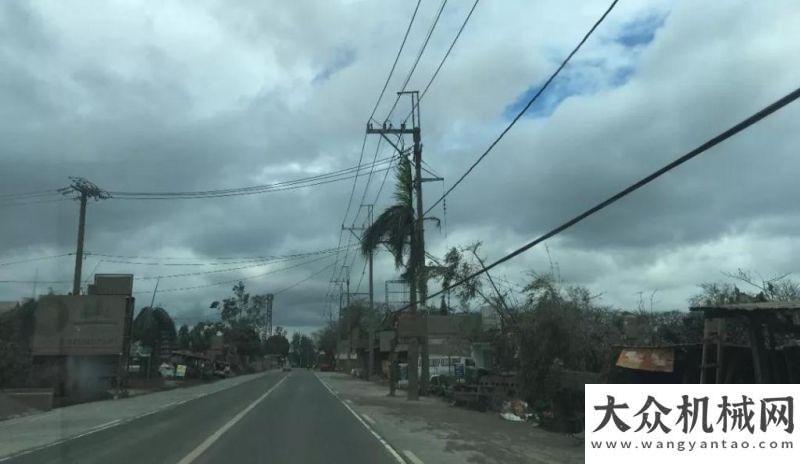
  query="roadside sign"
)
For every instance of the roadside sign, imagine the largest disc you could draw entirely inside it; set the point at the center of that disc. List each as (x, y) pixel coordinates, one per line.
(180, 370)
(81, 325)
(459, 370)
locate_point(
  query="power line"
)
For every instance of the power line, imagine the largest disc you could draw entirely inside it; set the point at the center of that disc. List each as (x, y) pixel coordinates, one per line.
(222, 258)
(444, 59)
(36, 193)
(419, 56)
(756, 117)
(38, 258)
(336, 176)
(428, 85)
(363, 146)
(33, 202)
(450, 49)
(311, 276)
(273, 271)
(346, 214)
(396, 58)
(327, 252)
(311, 181)
(232, 269)
(255, 187)
(526, 107)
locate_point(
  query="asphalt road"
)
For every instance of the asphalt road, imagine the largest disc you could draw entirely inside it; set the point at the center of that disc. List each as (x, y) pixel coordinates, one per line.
(278, 418)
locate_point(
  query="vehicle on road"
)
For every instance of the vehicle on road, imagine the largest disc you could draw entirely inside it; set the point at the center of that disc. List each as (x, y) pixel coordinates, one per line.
(166, 370)
(223, 370)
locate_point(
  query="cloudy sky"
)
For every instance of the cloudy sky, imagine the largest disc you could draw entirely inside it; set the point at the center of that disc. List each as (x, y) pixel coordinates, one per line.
(184, 96)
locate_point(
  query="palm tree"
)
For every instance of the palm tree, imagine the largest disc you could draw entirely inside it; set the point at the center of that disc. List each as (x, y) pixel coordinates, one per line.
(394, 229)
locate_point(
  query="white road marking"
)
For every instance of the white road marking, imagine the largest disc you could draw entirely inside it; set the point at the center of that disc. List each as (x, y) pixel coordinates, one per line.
(100, 427)
(195, 453)
(110, 424)
(383, 442)
(92, 430)
(368, 419)
(412, 457)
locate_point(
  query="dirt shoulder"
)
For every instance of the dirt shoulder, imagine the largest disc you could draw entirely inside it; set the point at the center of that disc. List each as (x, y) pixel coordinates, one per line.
(436, 432)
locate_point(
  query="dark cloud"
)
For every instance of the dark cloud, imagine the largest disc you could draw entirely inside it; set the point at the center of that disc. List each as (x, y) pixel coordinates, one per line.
(188, 97)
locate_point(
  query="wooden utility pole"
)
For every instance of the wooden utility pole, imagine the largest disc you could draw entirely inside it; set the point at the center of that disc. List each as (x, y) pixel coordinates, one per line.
(83, 189)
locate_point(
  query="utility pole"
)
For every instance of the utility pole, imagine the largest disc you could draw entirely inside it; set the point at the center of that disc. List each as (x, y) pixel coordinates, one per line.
(270, 297)
(371, 322)
(347, 283)
(76, 279)
(344, 295)
(153, 299)
(370, 347)
(83, 189)
(35, 282)
(418, 276)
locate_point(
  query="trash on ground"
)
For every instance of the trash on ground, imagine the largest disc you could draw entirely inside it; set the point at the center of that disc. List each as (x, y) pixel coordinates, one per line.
(515, 411)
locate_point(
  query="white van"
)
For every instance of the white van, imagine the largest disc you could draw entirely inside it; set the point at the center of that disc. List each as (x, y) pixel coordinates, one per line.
(451, 366)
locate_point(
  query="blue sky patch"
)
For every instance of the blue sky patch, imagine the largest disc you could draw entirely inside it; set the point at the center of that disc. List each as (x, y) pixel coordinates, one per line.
(641, 31)
(583, 77)
(340, 59)
(547, 102)
(588, 76)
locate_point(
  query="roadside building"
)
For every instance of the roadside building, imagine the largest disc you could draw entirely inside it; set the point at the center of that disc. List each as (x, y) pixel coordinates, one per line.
(8, 306)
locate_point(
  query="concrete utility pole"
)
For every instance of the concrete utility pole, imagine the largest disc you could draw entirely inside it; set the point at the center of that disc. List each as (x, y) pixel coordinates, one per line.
(418, 275)
(153, 299)
(343, 295)
(347, 283)
(270, 297)
(83, 190)
(370, 347)
(371, 322)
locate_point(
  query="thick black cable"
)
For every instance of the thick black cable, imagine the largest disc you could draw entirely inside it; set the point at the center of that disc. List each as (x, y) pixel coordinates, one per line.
(396, 59)
(419, 56)
(756, 117)
(450, 49)
(526, 107)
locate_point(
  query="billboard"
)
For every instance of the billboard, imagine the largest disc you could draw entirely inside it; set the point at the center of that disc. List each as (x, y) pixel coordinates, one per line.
(81, 325)
(113, 284)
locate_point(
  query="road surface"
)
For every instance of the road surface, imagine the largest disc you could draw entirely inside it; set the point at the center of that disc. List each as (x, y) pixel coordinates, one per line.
(278, 418)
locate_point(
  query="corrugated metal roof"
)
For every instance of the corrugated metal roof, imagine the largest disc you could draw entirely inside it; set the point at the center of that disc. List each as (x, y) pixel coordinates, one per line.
(647, 359)
(750, 307)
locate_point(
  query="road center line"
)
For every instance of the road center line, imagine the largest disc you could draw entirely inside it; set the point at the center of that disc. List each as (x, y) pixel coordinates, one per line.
(116, 422)
(383, 442)
(195, 453)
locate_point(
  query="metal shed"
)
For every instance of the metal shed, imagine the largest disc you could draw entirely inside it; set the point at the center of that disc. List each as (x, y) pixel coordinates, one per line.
(773, 330)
